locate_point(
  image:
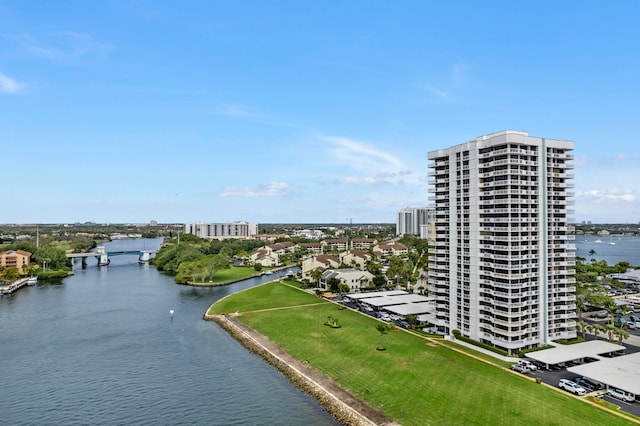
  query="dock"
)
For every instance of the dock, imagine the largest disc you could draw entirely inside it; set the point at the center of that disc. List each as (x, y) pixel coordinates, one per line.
(14, 286)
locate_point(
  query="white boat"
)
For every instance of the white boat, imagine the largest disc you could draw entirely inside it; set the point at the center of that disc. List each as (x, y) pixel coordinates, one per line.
(598, 241)
(32, 280)
(268, 272)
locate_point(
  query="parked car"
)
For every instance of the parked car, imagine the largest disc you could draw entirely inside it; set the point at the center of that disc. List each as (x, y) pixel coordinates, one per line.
(584, 383)
(599, 314)
(621, 395)
(593, 384)
(572, 387)
(520, 368)
(530, 365)
(404, 324)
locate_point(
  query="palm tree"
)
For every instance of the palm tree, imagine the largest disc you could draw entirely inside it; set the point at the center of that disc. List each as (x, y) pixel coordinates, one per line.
(610, 330)
(592, 253)
(583, 327)
(382, 329)
(621, 334)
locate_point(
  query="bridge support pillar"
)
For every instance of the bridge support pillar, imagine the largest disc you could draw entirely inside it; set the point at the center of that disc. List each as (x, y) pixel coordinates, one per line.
(84, 262)
(144, 257)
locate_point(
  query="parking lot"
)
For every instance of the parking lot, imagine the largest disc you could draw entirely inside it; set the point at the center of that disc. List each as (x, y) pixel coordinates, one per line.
(553, 376)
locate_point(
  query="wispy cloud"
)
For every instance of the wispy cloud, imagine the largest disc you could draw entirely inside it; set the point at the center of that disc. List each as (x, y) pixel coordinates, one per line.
(62, 46)
(9, 85)
(615, 195)
(241, 111)
(361, 156)
(448, 88)
(272, 189)
(605, 160)
(366, 164)
(254, 115)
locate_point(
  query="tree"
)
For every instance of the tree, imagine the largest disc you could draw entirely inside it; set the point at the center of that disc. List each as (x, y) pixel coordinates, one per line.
(621, 334)
(316, 274)
(412, 319)
(592, 253)
(382, 329)
(583, 327)
(334, 284)
(610, 329)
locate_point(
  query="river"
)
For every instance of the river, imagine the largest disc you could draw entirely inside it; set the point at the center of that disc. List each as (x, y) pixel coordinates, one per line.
(101, 348)
(623, 249)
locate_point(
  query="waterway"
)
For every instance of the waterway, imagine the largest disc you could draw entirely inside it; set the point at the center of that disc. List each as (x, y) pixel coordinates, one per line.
(623, 249)
(101, 348)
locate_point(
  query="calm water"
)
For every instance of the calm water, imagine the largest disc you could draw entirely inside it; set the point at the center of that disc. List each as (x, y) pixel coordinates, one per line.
(101, 349)
(625, 249)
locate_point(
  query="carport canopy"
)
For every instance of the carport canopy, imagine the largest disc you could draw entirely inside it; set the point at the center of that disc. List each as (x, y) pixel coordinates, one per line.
(621, 372)
(382, 301)
(565, 353)
(412, 308)
(368, 295)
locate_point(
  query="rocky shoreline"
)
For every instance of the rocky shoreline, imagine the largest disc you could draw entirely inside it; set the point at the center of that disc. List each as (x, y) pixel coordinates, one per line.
(342, 405)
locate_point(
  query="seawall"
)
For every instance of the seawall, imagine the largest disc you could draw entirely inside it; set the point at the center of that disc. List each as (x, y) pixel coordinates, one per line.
(342, 405)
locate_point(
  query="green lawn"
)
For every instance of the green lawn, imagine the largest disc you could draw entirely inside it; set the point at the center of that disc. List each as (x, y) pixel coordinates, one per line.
(267, 296)
(232, 274)
(414, 381)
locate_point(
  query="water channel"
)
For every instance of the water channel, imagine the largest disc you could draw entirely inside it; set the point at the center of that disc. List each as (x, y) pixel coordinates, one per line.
(101, 348)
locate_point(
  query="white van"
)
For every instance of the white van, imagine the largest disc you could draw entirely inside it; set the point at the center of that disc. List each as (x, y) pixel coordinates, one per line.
(621, 395)
(526, 363)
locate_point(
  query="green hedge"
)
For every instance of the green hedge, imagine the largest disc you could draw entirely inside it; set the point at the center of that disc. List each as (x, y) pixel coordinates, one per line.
(486, 346)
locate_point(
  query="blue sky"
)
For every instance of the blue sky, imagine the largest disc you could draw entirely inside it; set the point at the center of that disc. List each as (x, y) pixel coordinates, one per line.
(290, 111)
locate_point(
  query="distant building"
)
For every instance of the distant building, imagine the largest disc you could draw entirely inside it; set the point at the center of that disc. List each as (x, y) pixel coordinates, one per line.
(18, 259)
(220, 231)
(355, 279)
(392, 248)
(409, 220)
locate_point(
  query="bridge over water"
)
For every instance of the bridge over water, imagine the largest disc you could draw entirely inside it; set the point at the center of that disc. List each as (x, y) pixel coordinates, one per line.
(103, 255)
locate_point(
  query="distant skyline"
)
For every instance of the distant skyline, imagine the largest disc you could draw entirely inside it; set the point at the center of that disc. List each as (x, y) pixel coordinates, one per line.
(301, 112)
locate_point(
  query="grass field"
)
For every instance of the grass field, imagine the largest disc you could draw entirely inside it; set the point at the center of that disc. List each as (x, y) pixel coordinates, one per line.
(232, 274)
(414, 381)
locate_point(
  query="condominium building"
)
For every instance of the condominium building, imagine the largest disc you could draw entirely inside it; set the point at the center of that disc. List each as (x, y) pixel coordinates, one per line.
(409, 220)
(501, 263)
(221, 230)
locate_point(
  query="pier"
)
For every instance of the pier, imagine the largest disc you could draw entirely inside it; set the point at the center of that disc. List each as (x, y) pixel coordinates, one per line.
(14, 286)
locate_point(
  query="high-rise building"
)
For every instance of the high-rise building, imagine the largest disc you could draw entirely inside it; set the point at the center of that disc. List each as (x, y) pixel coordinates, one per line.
(409, 220)
(219, 231)
(501, 263)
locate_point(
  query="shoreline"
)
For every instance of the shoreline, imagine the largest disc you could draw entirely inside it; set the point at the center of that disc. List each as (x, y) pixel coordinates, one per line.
(223, 283)
(342, 405)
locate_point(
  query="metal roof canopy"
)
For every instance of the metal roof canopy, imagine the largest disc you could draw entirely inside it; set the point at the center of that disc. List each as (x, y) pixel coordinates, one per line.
(413, 298)
(382, 301)
(564, 353)
(412, 308)
(428, 318)
(358, 296)
(620, 372)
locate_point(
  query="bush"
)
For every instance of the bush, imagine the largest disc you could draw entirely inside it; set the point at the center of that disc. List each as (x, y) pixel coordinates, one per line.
(486, 346)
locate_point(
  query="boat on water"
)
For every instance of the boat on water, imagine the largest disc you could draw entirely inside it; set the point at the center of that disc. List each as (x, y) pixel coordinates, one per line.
(598, 241)
(289, 273)
(268, 272)
(32, 280)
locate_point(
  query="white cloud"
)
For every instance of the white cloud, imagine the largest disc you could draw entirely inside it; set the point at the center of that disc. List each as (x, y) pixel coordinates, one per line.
(360, 156)
(614, 195)
(451, 84)
(9, 85)
(62, 46)
(269, 190)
